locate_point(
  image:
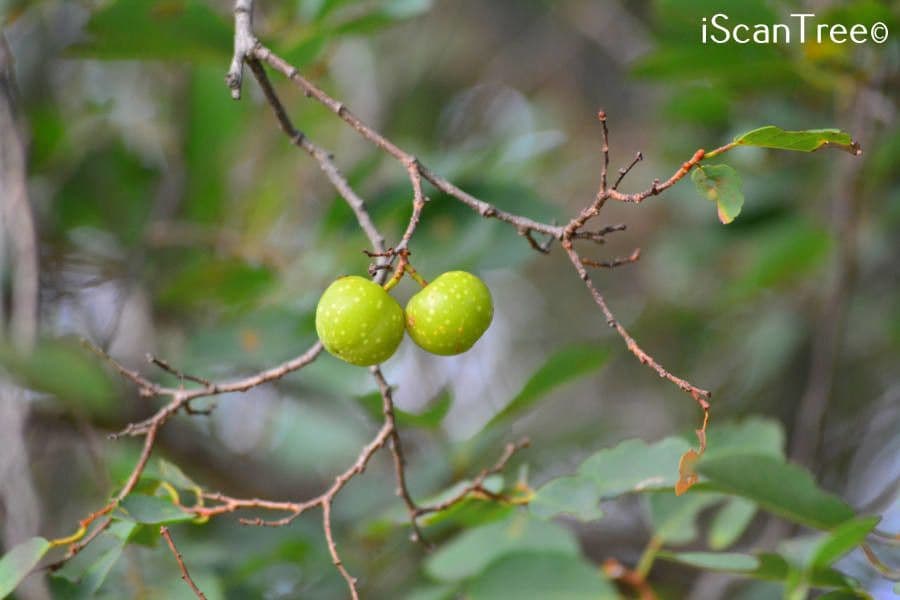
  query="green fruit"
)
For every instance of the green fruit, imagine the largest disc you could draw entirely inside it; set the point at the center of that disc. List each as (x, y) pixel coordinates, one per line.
(450, 313)
(359, 322)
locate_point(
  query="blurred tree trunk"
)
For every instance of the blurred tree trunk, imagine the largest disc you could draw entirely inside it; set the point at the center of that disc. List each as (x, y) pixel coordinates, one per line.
(17, 494)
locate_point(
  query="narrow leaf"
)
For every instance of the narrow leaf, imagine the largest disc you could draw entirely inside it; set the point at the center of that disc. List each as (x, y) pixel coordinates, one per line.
(18, 563)
(842, 540)
(90, 567)
(564, 366)
(766, 566)
(64, 369)
(802, 141)
(716, 561)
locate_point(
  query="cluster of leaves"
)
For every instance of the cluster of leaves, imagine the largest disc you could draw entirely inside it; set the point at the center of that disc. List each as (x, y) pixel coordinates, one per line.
(506, 548)
(743, 470)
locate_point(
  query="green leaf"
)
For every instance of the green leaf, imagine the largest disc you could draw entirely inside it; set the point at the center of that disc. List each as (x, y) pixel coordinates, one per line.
(97, 572)
(537, 576)
(173, 474)
(846, 595)
(473, 550)
(722, 185)
(18, 563)
(783, 255)
(674, 518)
(433, 592)
(386, 13)
(182, 30)
(633, 466)
(316, 10)
(779, 487)
(570, 496)
(720, 561)
(809, 140)
(430, 419)
(730, 523)
(236, 283)
(562, 367)
(755, 435)
(471, 511)
(90, 567)
(766, 566)
(153, 510)
(306, 50)
(66, 370)
(841, 540)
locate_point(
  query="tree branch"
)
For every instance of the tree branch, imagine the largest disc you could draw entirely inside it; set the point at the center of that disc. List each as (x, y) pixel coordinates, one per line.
(164, 531)
(249, 50)
(405, 158)
(700, 395)
(244, 43)
(322, 156)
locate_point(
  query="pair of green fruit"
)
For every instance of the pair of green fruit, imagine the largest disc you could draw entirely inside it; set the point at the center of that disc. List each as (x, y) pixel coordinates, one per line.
(360, 323)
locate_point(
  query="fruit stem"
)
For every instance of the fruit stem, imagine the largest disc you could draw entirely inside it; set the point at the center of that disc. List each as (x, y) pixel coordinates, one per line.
(414, 274)
(394, 280)
(403, 268)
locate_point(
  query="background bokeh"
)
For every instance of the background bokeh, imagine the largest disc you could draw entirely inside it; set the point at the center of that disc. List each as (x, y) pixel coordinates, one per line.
(174, 220)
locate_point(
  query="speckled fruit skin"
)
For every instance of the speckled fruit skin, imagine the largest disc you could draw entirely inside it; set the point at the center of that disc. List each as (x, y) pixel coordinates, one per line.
(359, 322)
(450, 313)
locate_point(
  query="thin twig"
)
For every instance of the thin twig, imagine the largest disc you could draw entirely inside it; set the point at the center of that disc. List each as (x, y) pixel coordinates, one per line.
(605, 149)
(146, 387)
(658, 187)
(542, 248)
(164, 531)
(476, 486)
(396, 448)
(405, 158)
(638, 157)
(616, 262)
(879, 565)
(700, 395)
(165, 366)
(419, 201)
(322, 156)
